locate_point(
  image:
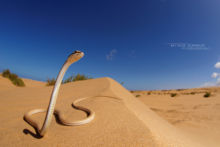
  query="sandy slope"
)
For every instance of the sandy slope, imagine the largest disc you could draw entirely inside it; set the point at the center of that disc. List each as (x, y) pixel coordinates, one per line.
(33, 83)
(125, 121)
(5, 84)
(189, 111)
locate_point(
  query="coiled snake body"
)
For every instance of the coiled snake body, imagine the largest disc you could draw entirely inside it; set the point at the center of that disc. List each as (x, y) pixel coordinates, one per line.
(75, 56)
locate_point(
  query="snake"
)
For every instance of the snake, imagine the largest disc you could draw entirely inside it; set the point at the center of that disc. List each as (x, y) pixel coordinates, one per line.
(72, 58)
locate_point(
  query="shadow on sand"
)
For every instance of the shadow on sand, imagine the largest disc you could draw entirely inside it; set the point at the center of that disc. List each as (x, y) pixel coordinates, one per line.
(37, 135)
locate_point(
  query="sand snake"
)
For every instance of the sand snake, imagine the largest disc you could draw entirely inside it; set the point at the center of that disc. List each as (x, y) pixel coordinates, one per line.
(75, 56)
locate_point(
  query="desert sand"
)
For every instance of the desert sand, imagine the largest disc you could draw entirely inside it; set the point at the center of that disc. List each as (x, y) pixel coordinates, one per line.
(189, 111)
(126, 120)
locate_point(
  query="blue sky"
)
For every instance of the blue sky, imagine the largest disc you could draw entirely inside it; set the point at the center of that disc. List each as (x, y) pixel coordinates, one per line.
(157, 44)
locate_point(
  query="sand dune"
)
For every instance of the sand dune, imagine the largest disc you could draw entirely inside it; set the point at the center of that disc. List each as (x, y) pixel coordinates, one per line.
(5, 84)
(33, 83)
(189, 111)
(124, 121)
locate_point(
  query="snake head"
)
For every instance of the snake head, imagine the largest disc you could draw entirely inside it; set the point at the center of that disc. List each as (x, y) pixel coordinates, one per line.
(75, 56)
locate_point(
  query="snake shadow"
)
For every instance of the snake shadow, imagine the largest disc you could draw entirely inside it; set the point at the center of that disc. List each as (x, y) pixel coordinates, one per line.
(36, 134)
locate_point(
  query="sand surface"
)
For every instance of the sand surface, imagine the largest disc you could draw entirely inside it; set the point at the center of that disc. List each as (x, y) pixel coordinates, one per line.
(189, 111)
(124, 120)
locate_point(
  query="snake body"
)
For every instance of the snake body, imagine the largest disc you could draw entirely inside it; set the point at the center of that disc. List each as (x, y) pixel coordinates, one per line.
(75, 56)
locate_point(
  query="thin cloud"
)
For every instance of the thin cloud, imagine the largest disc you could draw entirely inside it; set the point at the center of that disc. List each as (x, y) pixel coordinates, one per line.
(111, 55)
(217, 65)
(215, 75)
(208, 84)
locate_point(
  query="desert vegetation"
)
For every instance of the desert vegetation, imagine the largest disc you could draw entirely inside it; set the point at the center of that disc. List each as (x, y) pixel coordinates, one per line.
(50, 82)
(77, 77)
(138, 95)
(192, 93)
(173, 94)
(72, 78)
(207, 94)
(202, 92)
(13, 78)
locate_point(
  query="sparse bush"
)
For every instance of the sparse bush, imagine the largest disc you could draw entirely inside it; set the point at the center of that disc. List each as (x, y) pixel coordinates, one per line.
(138, 95)
(192, 93)
(18, 82)
(78, 77)
(173, 94)
(51, 82)
(207, 94)
(6, 73)
(70, 79)
(132, 91)
(149, 93)
(13, 77)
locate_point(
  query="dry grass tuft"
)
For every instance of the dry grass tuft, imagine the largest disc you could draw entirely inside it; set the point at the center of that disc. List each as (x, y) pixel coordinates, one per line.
(13, 77)
(78, 77)
(207, 94)
(51, 82)
(173, 94)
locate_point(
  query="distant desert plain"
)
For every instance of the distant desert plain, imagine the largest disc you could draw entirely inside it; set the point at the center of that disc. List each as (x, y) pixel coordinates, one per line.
(160, 118)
